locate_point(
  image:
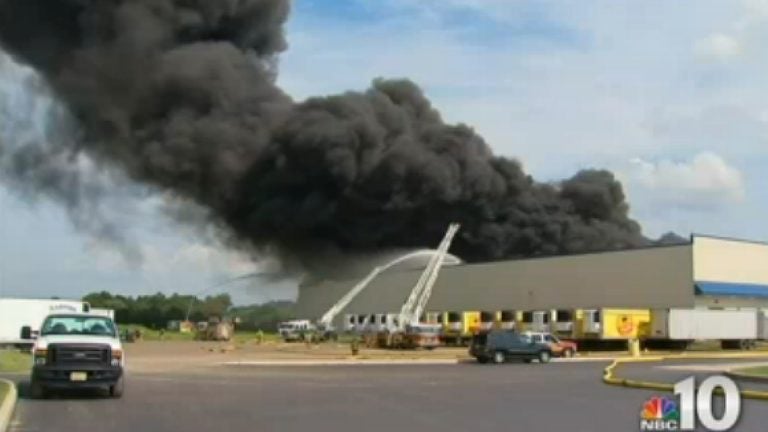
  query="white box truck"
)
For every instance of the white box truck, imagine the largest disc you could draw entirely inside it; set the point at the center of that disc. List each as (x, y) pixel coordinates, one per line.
(735, 329)
(17, 313)
(109, 313)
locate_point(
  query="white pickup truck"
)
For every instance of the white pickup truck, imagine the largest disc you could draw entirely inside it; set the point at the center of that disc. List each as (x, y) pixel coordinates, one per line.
(77, 350)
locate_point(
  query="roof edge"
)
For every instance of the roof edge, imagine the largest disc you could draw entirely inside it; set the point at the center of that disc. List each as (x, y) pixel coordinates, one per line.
(726, 238)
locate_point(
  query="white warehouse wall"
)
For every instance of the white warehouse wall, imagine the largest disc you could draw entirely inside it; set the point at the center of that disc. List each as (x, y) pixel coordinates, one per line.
(726, 260)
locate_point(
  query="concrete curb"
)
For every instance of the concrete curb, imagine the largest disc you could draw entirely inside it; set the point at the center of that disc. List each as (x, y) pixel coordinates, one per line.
(7, 405)
(610, 379)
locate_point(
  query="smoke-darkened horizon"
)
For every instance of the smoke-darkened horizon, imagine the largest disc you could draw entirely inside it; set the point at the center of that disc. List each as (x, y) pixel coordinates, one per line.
(180, 95)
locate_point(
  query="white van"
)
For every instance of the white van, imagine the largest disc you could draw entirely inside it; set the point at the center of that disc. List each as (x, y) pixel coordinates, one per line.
(296, 330)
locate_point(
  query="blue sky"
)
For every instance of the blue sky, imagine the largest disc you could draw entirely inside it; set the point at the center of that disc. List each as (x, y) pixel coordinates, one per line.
(672, 96)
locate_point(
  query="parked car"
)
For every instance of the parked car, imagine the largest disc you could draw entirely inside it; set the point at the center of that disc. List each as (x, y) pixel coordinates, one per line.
(560, 347)
(502, 345)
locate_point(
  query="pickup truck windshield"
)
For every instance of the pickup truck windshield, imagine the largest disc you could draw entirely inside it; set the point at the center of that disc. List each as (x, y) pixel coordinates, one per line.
(78, 325)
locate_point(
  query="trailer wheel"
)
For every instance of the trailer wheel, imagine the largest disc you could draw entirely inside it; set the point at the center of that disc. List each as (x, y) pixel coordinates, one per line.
(746, 344)
(726, 345)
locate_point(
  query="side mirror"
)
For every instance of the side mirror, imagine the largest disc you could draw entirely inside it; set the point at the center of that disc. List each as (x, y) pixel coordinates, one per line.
(26, 332)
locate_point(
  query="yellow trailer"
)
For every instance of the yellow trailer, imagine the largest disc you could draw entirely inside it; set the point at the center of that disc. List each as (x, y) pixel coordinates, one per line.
(535, 321)
(459, 326)
(489, 320)
(509, 319)
(612, 324)
(560, 322)
(563, 323)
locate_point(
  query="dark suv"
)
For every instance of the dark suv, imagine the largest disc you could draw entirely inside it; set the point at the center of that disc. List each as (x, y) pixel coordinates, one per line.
(501, 345)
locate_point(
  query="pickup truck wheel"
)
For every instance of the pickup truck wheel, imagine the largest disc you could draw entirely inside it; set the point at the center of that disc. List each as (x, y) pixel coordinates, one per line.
(116, 391)
(544, 357)
(37, 390)
(499, 357)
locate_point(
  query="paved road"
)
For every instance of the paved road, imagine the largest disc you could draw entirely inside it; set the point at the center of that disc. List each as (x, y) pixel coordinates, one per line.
(467, 397)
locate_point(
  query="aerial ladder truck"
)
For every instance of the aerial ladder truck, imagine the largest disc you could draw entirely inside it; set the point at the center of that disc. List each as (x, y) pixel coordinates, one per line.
(324, 328)
(408, 331)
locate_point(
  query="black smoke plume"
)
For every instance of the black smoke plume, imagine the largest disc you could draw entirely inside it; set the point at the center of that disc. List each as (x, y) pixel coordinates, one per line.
(181, 95)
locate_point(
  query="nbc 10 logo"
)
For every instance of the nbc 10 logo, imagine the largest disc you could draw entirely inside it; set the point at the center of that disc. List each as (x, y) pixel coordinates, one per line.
(666, 414)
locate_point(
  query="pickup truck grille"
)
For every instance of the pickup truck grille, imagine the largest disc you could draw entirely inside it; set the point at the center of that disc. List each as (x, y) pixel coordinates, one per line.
(79, 354)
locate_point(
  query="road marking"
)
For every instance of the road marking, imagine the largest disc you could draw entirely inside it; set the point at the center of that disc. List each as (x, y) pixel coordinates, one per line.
(712, 367)
(611, 379)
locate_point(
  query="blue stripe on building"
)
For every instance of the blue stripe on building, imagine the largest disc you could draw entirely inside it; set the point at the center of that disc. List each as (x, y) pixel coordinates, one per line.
(731, 289)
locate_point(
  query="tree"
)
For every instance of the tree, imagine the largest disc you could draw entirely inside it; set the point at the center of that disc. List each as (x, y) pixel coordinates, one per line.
(157, 309)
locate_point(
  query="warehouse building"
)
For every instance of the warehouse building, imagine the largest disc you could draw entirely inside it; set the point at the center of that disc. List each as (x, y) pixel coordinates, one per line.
(706, 272)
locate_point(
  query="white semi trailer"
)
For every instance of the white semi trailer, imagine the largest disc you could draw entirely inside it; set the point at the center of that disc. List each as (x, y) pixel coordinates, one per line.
(109, 313)
(735, 329)
(18, 313)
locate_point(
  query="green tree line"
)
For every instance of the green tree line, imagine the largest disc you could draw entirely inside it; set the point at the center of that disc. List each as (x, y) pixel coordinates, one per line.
(156, 310)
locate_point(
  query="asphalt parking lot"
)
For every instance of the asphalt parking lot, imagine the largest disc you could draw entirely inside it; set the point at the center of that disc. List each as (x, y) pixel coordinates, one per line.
(553, 397)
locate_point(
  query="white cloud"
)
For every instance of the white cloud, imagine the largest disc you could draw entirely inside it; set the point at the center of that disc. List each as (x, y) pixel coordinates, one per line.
(705, 181)
(756, 8)
(719, 47)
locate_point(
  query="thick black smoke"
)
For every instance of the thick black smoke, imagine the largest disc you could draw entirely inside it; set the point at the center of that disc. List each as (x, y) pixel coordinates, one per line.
(180, 95)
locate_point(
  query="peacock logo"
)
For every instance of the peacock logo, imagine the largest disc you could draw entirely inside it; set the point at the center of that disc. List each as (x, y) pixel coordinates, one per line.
(660, 413)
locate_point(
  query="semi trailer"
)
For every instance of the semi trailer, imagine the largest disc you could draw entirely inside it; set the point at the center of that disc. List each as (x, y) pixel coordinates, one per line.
(735, 329)
(611, 324)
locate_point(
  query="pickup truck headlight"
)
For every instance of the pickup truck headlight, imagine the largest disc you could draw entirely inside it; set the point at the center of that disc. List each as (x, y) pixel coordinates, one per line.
(117, 357)
(40, 356)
